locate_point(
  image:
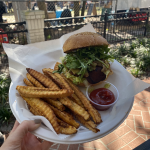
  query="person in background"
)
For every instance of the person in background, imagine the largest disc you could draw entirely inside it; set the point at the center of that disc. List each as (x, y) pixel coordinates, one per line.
(64, 14)
(60, 4)
(20, 137)
(2, 11)
(35, 4)
(72, 5)
(5, 7)
(10, 6)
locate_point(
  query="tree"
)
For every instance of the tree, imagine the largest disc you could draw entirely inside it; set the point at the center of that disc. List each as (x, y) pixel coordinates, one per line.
(42, 6)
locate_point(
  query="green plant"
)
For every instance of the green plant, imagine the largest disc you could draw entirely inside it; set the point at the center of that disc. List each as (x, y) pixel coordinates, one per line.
(126, 61)
(5, 112)
(134, 44)
(134, 55)
(48, 37)
(135, 72)
(4, 88)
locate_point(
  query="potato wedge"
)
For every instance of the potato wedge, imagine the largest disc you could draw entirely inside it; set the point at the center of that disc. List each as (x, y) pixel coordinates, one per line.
(68, 130)
(55, 103)
(54, 78)
(48, 83)
(56, 66)
(42, 93)
(34, 81)
(65, 117)
(75, 107)
(92, 111)
(45, 110)
(36, 88)
(88, 124)
(58, 79)
(76, 100)
(64, 127)
(27, 82)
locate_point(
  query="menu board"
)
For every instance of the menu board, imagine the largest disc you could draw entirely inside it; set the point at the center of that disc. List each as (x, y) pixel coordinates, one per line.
(90, 10)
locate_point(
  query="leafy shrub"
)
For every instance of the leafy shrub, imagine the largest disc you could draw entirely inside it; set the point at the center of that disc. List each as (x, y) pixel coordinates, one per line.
(135, 55)
(4, 87)
(5, 112)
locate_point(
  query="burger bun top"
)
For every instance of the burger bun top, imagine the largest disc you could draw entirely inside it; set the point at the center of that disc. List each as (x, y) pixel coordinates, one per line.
(83, 39)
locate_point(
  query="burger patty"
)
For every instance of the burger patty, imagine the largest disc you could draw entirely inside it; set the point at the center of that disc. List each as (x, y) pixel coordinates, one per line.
(96, 75)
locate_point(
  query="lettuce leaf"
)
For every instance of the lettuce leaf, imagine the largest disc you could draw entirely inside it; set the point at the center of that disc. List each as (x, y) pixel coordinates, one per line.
(60, 68)
(76, 80)
(83, 58)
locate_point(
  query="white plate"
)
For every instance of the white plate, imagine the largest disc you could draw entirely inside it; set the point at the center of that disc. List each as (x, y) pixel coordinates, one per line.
(44, 55)
(82, 136)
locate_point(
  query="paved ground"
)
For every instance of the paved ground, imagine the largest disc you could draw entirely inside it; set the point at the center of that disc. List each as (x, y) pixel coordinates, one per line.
(132, 132)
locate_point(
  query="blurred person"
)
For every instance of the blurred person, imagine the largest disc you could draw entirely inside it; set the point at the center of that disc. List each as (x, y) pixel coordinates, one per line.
(20, 137)
(86, 5)
(64, 14)
(2, 11)
(60, 4)
(9, 5)
(72, 5)
(35, 4)
(5, 7)
(88, 2)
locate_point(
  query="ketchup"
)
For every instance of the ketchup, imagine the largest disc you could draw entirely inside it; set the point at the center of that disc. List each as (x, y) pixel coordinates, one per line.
(102, 96)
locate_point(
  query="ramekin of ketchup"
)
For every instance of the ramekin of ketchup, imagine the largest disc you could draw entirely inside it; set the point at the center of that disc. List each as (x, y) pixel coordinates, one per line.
(103, 95)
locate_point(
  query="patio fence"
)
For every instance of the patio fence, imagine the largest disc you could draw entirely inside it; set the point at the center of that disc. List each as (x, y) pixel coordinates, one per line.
(14, 33)
(114, 27)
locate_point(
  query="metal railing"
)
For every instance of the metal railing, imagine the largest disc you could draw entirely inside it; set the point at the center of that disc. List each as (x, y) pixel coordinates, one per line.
(14, 33)
(114, 27)
(55, 28)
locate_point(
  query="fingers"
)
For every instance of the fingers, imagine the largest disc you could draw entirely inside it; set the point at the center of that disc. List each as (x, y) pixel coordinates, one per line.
(40, 140)
(24, 127)
(46, 145)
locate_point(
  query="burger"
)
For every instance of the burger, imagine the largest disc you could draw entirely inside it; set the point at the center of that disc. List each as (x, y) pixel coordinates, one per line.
(87, 60)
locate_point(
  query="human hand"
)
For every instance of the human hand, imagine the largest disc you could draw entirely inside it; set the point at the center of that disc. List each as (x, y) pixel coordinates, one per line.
(20, 137)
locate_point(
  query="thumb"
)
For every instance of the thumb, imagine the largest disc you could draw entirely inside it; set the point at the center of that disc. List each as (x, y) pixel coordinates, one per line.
(24, 127)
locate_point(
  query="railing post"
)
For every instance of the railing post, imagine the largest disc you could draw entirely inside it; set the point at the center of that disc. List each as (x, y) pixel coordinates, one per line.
(146, 23)
(34, 25)
(105, 23)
